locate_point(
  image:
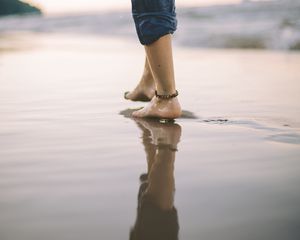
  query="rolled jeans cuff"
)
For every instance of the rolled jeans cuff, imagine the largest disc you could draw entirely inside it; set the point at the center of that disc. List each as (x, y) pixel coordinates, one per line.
(153, 19)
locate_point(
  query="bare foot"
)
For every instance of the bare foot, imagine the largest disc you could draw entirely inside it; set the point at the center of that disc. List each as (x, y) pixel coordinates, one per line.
(160, 108)
(143, 92)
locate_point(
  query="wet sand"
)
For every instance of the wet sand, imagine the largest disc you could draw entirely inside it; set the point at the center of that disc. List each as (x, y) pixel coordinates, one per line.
(70, 163)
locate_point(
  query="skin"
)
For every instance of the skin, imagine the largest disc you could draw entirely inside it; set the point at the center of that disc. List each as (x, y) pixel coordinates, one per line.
(157, 217)
(160, 142)
(158, 74)
(145, 89)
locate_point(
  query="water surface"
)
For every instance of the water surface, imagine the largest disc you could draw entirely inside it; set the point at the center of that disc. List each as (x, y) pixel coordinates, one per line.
(70, 164)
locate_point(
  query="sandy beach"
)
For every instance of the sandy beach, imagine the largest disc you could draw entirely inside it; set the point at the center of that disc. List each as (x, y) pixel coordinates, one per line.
(70, 162)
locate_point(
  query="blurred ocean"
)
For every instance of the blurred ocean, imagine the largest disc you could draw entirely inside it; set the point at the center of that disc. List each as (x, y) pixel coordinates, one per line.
(261, 25)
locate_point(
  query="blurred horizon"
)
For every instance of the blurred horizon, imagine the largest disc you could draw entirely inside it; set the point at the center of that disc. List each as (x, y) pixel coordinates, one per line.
(256, 24)
(77, 6)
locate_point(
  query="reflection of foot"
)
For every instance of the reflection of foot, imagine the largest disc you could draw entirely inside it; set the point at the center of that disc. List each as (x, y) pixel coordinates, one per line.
(160, 108)
(160, 134)
(142, 92)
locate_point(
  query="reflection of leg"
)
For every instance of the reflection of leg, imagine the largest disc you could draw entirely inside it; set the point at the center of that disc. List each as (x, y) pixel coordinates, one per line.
(150, 148)
(144, 91)
(163, 140)
(157, 217)
(161, 180)
(160, 59)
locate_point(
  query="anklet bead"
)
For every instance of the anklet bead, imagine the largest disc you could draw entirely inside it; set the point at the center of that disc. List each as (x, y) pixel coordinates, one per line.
(167, 96)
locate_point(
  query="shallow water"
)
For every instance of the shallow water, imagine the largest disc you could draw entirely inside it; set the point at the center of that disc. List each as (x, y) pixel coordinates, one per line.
(70, 163)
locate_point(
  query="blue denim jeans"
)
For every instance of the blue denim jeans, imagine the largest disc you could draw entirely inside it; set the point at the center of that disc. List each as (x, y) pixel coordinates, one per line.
(153, 19)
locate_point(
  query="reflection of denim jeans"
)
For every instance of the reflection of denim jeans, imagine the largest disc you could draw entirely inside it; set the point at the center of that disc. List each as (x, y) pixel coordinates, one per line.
(153, 19)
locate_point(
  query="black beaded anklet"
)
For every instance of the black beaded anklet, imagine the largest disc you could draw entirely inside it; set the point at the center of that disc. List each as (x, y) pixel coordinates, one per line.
(174, 95)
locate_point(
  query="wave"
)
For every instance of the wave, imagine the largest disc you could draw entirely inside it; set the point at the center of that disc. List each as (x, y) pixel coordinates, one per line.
(262, 25)
(267, 25)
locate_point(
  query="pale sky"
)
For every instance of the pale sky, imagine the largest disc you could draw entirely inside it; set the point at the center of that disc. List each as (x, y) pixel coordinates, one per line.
(62, 6)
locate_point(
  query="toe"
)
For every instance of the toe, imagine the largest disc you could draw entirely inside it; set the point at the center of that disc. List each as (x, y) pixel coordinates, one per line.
(125, 95)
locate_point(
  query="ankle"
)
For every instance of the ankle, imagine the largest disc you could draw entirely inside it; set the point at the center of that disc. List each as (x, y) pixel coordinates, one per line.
(166, 96)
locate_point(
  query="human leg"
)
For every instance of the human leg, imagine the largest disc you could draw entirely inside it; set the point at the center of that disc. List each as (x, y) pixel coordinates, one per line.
(159, 55)
(155, 21)
(145, 89)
